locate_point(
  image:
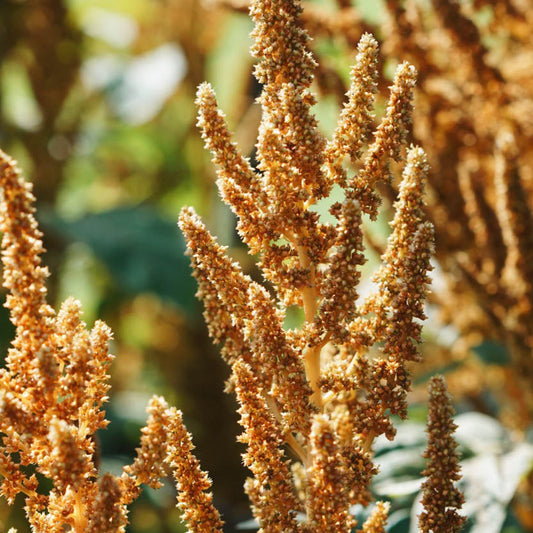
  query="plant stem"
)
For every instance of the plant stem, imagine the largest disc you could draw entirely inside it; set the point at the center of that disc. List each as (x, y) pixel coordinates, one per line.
(310, 301)
(297, 448)
(20, 485)
(79, 516)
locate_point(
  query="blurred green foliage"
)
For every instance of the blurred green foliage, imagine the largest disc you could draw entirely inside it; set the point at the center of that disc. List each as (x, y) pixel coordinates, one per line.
(97, 104)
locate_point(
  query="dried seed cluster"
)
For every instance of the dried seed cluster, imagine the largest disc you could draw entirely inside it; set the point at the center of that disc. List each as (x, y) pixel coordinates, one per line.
(326, 389)
(52, 394)
(323, 391)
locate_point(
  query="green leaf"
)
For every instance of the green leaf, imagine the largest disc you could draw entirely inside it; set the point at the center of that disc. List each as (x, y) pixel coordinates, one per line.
(492, 353)
(398, 521)
(443, 370)
(143, 251)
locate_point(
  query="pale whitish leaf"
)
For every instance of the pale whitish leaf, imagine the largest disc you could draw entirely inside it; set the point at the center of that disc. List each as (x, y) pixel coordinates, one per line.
(399, 462)
(248, 525)
(116, 29)
(480, 433)
(416, 509)
(139, 88)
(253, 525)
(489, 519)
(515, 465)
(148, 82)
(490, 482)
(407, 434)
(395, 488)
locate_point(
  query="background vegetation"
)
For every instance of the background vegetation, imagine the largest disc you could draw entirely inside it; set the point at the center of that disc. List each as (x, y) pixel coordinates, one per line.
(96, 103)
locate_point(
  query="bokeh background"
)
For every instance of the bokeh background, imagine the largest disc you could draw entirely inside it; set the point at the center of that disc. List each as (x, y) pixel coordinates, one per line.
(97, 105)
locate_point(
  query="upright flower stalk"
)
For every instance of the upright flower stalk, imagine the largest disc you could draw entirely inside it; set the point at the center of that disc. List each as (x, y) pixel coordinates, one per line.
(326, 389)
(312, 399)
(52, 393)
(440, 497)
